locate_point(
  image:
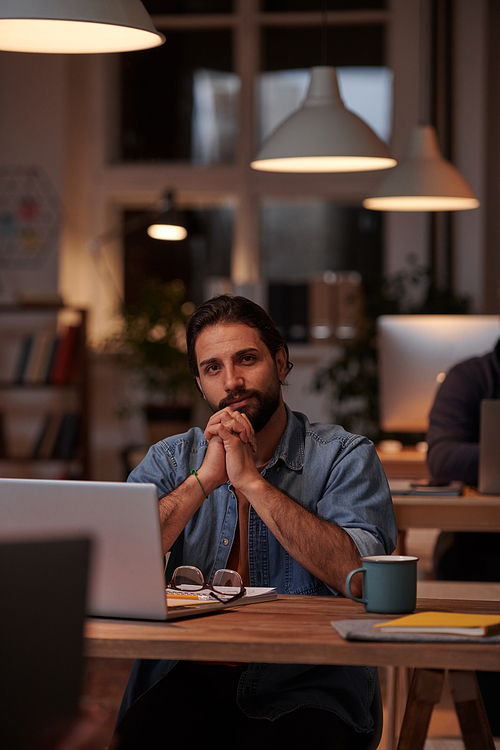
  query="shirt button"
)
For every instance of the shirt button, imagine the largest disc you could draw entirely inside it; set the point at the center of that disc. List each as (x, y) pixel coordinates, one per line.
(225, 542)
(279, 468)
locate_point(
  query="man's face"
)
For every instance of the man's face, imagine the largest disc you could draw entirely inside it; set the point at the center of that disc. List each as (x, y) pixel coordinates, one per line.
(236, 369)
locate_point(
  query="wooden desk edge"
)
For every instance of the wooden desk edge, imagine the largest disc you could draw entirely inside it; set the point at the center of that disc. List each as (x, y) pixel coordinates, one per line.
(271, 637)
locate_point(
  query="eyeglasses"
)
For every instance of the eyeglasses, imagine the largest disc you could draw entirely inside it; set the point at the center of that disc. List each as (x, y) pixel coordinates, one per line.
(187, 578)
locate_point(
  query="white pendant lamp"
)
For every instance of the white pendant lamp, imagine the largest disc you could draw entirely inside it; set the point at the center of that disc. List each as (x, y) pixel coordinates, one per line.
(323, 136)
(423, 181)
(168, 225)
(76, 26)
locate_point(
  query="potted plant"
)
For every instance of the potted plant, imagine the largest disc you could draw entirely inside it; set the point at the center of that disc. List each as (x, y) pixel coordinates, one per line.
(151, 343)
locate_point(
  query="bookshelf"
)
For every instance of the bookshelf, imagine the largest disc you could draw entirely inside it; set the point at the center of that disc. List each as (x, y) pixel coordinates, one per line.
(44, 392)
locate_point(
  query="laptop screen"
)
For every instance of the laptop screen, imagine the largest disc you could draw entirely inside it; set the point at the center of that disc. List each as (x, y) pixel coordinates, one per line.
(121, 519)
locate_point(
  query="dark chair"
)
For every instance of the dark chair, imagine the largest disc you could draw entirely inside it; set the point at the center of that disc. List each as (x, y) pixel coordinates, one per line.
(43, 597)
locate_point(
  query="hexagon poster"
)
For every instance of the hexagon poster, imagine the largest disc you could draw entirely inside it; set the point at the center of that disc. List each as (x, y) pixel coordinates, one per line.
(29, 217)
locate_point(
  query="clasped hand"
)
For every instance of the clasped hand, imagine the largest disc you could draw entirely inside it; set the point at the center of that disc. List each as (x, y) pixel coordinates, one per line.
(231, 448)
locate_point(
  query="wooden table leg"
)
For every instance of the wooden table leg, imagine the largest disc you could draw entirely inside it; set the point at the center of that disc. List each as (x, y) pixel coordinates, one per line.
(391, 703)
(425, 691)
(470, 710)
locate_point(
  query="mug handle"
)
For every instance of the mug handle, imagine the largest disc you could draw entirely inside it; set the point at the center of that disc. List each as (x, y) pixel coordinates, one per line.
(348, 585)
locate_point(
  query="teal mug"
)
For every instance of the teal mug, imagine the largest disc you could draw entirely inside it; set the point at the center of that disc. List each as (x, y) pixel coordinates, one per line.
(389, 584)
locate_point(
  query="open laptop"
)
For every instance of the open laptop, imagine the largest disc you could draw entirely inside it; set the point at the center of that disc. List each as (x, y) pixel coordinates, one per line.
(489, 447)
(43, 588)
(122, 519)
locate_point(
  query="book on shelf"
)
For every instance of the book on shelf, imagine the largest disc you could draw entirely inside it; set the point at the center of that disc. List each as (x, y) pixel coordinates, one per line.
(3, 437)
(37, 361)
(24, 355)
(63, 365)
(450, 623)
(67, 437)
(58, 436)
(49, 362)
(46, 438)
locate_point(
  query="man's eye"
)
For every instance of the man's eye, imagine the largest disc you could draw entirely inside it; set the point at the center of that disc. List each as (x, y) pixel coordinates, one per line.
(212, 368)
(248, 358)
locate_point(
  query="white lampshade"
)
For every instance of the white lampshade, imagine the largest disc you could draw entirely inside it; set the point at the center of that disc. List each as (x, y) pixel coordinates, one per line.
(76, 26)
(167, 231)
(323, 136)
(423, 180)
(168, 225)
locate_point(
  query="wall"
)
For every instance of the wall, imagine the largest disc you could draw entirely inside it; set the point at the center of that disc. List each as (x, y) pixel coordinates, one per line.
(32, 109)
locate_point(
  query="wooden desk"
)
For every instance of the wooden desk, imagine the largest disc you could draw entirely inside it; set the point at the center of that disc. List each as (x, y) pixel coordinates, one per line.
(469, 512)
(407, 464)
(298, 630)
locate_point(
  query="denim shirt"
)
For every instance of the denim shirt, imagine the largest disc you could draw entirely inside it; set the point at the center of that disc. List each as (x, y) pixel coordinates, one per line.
(336, 476)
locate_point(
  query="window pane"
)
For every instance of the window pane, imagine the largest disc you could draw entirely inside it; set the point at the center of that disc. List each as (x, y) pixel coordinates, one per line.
(296, 5)
(166, 7)
(341, 240)
(204, 254)
(179, 101)
(288, 48)
(337, 237)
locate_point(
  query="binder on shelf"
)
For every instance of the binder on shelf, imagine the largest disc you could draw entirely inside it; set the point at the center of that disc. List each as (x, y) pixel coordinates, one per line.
(64, 358)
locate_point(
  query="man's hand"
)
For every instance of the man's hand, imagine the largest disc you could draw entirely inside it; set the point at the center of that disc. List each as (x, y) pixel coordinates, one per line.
(235, 422)
(233, 431)
(237, 436)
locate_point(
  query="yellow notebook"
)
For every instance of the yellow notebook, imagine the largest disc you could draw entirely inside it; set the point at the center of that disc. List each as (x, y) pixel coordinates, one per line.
(454, 623)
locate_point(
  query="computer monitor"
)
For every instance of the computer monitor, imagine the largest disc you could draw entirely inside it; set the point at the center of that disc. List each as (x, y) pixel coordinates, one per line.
(414, 354)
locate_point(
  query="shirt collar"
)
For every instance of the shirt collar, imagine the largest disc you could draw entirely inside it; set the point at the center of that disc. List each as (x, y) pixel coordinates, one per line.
(290, 448)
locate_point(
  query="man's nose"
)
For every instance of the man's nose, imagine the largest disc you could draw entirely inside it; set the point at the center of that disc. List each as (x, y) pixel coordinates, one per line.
(234, 379)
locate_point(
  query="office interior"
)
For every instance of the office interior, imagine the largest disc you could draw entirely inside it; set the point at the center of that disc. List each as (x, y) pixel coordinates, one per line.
(73, 122)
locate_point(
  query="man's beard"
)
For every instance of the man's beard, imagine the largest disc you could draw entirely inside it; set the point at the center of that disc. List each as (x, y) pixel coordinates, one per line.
(260, 411)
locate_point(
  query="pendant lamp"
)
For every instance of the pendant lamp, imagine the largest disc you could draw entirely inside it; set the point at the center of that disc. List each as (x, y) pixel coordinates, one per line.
(423, 181)
(76, 26)
(323, 136)
(168, 225)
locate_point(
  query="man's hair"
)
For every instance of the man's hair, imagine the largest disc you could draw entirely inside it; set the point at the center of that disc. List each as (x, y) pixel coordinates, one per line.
(228, 309)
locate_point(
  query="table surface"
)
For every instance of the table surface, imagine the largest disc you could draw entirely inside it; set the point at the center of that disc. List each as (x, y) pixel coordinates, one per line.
(291, 629)
(469, 512)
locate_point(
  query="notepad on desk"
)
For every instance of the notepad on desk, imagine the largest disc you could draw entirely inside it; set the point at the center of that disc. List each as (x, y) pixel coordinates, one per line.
(453, 623)
(251, 596)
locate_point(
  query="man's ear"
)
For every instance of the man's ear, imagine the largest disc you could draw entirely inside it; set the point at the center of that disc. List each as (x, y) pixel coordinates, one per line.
(281, 362)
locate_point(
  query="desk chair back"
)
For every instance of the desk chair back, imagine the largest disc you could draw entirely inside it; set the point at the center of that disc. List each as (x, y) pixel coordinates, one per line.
(43, 595)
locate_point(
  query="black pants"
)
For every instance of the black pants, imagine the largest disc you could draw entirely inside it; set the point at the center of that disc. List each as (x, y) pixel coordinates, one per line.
(195, 704)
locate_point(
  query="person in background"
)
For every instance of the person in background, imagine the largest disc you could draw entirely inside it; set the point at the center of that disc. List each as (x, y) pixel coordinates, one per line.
(283, 502)
(453, 454)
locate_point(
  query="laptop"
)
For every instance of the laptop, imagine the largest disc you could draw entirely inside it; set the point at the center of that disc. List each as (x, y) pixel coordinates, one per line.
(43, 587)
(489, 447)
(126, 577)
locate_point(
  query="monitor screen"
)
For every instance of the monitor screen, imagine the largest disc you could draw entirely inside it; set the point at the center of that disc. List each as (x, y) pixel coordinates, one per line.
(414, 354)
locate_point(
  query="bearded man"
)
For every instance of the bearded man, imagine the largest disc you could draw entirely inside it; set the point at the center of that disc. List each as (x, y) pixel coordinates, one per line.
(283, 502)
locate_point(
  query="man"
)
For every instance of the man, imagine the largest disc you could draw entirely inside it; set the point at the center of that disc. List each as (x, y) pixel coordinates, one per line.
(453, 454)
(286, 504)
